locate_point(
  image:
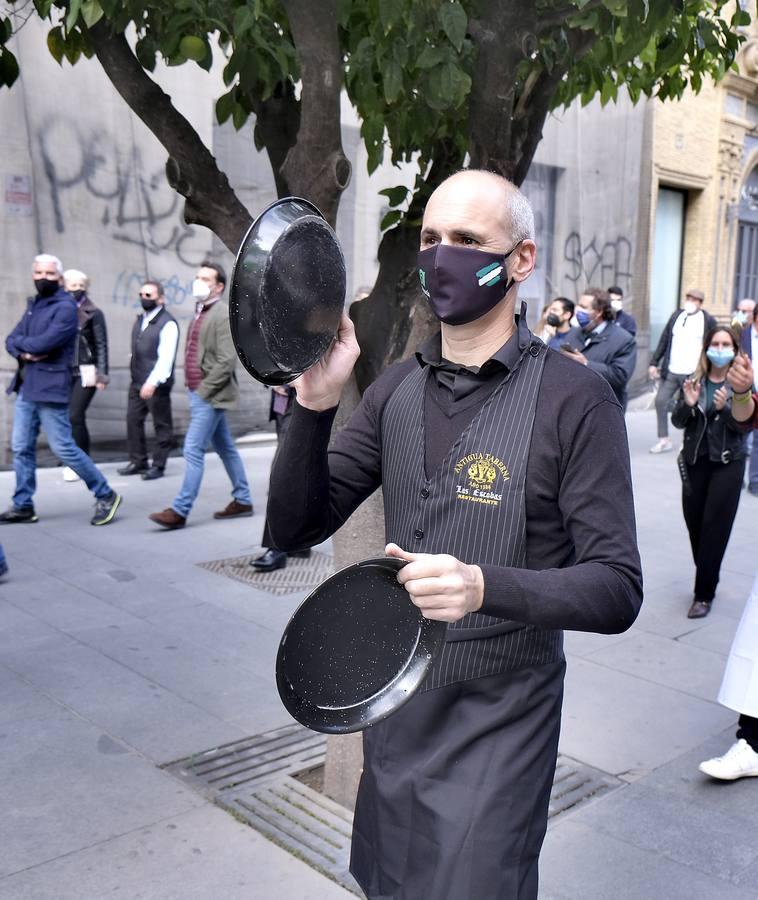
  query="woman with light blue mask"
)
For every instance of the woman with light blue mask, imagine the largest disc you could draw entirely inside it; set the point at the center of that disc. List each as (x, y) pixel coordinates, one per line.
(712, 462)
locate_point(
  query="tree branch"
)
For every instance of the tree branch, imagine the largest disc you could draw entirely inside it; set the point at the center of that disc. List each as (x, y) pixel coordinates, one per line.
(191, 168)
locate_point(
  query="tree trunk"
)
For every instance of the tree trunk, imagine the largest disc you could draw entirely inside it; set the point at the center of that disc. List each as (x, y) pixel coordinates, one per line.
(191, 168)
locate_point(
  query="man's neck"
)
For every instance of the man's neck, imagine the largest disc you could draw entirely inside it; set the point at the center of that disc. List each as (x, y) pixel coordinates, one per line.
(476, 342)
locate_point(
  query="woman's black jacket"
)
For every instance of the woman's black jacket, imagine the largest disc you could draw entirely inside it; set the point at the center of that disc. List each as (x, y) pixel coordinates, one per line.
(93, 339)
(724, 437)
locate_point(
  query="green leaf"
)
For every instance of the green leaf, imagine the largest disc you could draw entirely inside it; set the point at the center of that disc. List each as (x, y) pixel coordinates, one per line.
(92, 12)
(391, 13)
(239, 116)
(395, 195)
(145, 52)
(43, 8)
(8, 67)
(454, 21)
(400, 51)
(55, 43)
(741, 18)
(73, 14)
(431, 57)
(72, 48)
(225, 106)
(648, 54)
(392, 81)
(244, 19)
(391, 218)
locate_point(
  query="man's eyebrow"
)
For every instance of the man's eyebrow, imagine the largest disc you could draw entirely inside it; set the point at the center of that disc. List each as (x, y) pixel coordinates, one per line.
(429, 232)
(468, 235)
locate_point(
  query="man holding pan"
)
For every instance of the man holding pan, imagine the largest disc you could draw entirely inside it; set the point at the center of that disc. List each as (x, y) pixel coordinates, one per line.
(507, 490)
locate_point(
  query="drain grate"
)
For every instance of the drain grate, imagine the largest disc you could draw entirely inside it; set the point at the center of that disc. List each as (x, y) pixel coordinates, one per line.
(251, 779)
(303, 822)
(251, 762)
(299, 574)
(575, 783)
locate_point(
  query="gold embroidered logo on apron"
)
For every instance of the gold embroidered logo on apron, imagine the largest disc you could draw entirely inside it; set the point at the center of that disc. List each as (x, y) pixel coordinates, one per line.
(480, 473)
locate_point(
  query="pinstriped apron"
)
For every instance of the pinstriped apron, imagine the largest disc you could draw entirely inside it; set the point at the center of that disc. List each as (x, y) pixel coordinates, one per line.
(453, 799)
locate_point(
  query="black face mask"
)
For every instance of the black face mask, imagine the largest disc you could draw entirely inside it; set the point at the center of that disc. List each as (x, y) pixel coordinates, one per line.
(148, 305)
(77, 295)
(46, 287)
(461, 283)
(553, 320)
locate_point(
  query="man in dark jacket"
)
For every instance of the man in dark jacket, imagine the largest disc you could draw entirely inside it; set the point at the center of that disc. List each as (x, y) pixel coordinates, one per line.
(676, 358)
(44, 343)
(623, 318)
(749, 345)
(155, 338)
(599, 344)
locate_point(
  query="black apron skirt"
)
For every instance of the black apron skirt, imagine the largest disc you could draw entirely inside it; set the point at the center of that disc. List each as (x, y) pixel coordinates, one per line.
(454, 795)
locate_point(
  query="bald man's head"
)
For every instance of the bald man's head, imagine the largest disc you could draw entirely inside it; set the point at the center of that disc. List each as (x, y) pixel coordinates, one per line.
(477, 195)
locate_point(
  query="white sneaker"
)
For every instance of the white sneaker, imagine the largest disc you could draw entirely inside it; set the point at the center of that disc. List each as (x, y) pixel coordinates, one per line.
(663, 446)
(739, 761)
(69, 474)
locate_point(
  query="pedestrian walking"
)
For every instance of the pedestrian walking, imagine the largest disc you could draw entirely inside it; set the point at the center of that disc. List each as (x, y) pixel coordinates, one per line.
(558, 322)
(749, 346)
(155, 338)
(209, 371)
(282, 399)
(739, 691)
(473, 441)
(676, 357)
(712, 462)
(44, 345)
(90, 372)
(598, 344)
(623, 318)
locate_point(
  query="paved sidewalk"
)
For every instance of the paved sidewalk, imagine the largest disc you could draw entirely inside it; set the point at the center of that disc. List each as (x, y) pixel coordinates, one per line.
(119, 654)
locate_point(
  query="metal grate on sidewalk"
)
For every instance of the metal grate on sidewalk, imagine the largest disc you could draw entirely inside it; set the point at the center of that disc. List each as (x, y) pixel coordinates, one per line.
(253, 761)
(251, 779)
(298, 575)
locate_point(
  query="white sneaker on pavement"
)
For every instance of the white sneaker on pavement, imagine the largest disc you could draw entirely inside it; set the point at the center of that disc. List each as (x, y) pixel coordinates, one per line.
(739, 761)
(664, 445)
(69, 474)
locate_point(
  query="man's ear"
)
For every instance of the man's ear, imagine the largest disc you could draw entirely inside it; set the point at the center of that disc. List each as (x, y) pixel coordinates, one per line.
(524, 260)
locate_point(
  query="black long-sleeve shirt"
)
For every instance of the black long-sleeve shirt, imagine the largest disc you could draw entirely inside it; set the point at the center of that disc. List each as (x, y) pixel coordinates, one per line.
(583, 569)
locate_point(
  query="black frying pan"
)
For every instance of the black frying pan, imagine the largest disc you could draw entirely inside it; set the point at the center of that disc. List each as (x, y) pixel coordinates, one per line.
(355, 650)
(287, 291)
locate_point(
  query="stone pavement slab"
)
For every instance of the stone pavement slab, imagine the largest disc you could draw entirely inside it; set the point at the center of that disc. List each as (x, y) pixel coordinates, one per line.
(203, 854)
(580, 863)
(67, 785)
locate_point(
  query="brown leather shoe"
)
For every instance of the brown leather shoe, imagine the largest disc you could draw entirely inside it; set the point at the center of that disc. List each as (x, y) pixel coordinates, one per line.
(234, 510)
(699, 609)
(168, 518)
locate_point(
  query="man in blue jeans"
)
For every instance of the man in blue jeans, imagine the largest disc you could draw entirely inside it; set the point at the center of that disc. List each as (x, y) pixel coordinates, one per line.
(209, 363)
(44, 343)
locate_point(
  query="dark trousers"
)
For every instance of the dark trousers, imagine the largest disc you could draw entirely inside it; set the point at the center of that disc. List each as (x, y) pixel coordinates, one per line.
(81, 397)
(159, 407)
(748, 730)
(709, 510)
(282, 427)
(667, 388)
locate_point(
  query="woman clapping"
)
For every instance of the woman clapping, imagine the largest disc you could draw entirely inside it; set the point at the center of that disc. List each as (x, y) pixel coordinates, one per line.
(712, 462)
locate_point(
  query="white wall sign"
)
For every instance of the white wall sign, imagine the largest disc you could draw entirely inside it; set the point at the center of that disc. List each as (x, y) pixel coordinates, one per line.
(18, 195)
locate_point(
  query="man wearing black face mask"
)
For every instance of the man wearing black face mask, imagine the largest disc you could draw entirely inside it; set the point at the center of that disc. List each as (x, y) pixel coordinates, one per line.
(507, 492)
(155, 338)
(44, 343)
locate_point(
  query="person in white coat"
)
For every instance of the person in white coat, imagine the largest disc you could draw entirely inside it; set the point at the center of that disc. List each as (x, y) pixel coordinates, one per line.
(739, 687)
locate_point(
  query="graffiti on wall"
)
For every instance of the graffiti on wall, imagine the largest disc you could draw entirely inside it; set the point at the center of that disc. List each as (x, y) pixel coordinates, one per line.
(178, 293)
(132, 199)
(598, 262)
